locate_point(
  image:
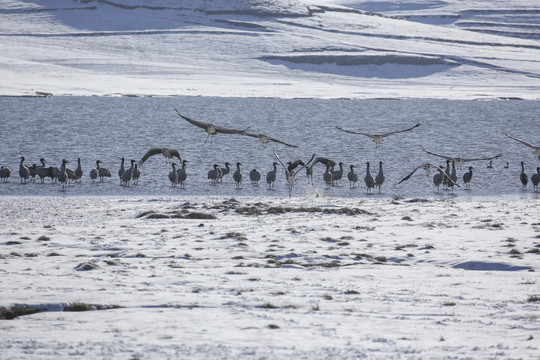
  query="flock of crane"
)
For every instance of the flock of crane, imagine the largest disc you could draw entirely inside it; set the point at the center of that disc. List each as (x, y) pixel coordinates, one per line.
(445, 177)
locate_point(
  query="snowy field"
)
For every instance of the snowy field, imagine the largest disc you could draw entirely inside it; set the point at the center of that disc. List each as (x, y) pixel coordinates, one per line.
(244, 277)
(313, 278)
(481, 49)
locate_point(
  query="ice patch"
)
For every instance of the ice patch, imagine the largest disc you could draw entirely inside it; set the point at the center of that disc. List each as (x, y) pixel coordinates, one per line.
(380, 66)
(488, 266)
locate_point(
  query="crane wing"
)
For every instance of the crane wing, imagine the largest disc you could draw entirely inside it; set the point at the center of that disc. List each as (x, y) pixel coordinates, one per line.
(432, 166)
(175, 153)
(447, 176)
(324, 161)
(151, 152)
(265, 138)
(355, 132)
(304, 164)
(224, 130)
(442, 156)
(205, 126)
(526, 143)
(192, 121)
(411, 174)
(485, 158)
(258, 136)
(400, 131)
(281, 162)
(279, 141)
(294, 165)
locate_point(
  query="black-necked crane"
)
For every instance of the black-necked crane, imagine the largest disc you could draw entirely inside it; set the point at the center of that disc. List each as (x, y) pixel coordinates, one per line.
(352, 176)
(378, 138)
(459, 161)
(368, 179)
(166, 152)
(210, 129)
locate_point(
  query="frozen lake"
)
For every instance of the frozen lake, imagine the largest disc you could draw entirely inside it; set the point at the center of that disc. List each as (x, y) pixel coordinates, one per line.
(109, 128)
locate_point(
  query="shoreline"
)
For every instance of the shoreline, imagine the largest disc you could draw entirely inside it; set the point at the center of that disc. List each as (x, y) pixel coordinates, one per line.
(127, 95)
(527, 196)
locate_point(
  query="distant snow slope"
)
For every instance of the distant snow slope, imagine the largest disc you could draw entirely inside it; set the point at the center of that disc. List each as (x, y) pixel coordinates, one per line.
(286, 48)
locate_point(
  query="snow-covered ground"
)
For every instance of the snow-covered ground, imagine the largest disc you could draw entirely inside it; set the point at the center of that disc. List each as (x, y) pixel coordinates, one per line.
(313, 278)
(280, 48)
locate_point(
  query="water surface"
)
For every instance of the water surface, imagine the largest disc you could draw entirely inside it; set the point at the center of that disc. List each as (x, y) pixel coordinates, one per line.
(109, 128)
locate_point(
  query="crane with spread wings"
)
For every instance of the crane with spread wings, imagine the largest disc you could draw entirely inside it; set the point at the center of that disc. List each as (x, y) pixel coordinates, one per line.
(460, 160)
(428, 167)
(167, 153)
(292, 170)
(377, 138)
(265, 139)
(210, 129)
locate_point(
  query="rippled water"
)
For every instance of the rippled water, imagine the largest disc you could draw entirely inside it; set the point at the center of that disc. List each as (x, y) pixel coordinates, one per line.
(110, 128)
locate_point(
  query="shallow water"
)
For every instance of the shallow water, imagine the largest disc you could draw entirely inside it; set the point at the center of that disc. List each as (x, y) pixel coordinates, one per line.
(108, 128)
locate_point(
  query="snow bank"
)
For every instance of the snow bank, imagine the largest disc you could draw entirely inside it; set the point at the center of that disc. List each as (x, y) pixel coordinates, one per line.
(288, 49)
(304, 278)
